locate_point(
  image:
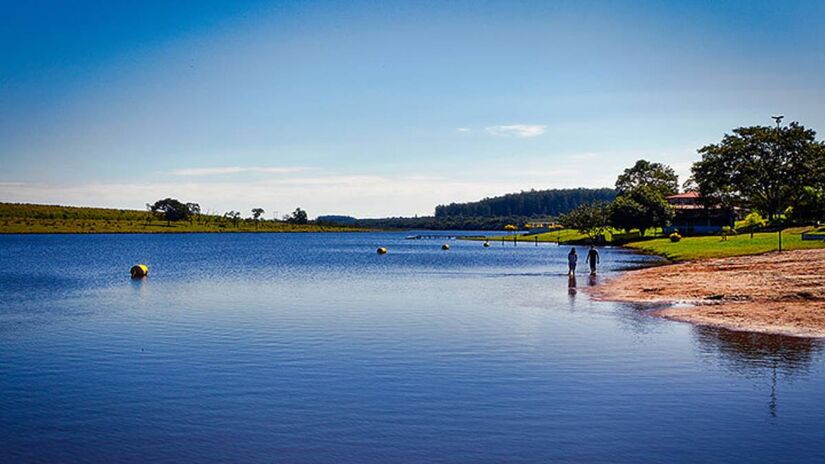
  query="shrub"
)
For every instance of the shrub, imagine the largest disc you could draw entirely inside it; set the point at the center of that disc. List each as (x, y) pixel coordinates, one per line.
(675, 237)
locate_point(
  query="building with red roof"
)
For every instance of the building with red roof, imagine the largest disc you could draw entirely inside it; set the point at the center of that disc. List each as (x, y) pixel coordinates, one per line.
(693, 216)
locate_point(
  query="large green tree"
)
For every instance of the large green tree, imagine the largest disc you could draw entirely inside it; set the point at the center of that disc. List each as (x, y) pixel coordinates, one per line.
(642, 208)
(626, 214)
(765, 168)
(589, 219)
(657, 211)
(660, 177)
(171, 209)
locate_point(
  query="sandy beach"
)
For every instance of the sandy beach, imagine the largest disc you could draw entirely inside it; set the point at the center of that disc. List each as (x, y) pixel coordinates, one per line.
(779, 293)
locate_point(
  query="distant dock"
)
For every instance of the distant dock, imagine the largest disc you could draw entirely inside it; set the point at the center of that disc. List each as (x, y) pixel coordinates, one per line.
(440, 237)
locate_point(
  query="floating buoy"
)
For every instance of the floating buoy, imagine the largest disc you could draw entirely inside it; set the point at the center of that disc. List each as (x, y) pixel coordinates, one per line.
(445, 247)
(381, 251)
(139, 270)
(486, 244)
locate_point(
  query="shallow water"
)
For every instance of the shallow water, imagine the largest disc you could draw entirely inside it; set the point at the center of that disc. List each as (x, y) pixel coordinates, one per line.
(313, 348)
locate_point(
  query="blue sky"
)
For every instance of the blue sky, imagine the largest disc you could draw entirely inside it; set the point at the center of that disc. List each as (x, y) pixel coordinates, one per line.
(382, 108)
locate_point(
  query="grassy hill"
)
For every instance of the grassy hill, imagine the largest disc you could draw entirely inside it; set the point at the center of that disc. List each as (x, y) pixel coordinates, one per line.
(16, 218)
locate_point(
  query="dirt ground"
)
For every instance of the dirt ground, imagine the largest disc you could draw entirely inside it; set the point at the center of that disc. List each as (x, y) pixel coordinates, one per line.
(781, 293)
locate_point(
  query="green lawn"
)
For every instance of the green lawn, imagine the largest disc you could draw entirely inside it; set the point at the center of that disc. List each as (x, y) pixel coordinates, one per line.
(714, 247)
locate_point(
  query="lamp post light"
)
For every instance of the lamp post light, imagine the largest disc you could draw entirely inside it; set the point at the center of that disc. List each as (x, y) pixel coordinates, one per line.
(778, 119)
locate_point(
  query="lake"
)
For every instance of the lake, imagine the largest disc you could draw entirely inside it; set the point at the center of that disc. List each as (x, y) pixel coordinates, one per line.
(312, 348)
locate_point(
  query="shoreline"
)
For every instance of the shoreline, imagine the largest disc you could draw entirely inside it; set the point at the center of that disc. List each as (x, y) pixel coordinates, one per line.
(774, 293)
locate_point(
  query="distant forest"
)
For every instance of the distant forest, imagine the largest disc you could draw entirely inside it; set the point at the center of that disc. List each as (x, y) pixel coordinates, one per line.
(534, 203)
(434, 223)
(489, 213)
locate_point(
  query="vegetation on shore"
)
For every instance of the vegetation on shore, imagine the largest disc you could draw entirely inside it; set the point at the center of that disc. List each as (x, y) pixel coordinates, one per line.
(50, 219)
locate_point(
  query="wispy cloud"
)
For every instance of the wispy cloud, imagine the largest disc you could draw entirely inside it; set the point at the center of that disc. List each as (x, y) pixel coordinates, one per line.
(517, 130)
(463, 129)
(234, 170)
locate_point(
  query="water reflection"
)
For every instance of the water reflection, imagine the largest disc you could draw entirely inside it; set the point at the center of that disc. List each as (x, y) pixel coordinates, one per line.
(747, 353)
(592, 280)
(571, 285)
(756, 355)
(139, 285)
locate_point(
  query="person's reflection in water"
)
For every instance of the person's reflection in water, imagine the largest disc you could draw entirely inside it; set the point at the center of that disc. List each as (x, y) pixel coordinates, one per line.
(592, 280)
(571, 285)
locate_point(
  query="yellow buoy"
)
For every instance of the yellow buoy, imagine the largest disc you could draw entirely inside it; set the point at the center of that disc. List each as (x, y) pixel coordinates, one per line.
(139, 270)
(382, 251)
(445, 247)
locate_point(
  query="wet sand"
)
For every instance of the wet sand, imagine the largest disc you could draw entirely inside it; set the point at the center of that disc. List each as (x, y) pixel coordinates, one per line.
(778, 293)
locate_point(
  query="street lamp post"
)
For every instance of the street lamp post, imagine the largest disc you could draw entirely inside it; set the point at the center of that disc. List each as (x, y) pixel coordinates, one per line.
(778, 119)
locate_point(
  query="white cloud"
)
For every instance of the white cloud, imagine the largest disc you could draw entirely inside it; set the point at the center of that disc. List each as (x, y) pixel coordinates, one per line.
(234, 170)
(463, 129)
(517, 130)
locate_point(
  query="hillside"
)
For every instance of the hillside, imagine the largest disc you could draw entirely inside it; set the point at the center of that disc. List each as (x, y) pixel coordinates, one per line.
(16, 218)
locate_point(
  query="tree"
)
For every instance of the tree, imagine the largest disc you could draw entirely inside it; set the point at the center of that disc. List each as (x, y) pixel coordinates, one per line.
(642, 208)
(626, 213)
(752, 222)
(810, 206)
(256, 215)
(656, 211)
(660, 177)
(171, 209)
(765, 168)
(298, 216)
(194, 210)
(233, 216)
(589, 219)
(150, 213)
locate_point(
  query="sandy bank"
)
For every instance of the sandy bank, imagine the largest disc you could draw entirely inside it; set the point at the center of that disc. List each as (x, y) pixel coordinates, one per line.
(781, 293)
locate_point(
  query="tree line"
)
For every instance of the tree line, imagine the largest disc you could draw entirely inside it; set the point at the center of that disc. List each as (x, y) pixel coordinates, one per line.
(172, 210)
(434, 223)
(528, 204)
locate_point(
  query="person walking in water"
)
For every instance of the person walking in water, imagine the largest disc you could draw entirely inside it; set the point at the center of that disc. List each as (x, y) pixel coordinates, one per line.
(572, 259)
(593, 259)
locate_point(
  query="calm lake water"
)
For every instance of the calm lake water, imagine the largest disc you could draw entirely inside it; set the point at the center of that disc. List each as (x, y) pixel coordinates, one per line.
(312, 348)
